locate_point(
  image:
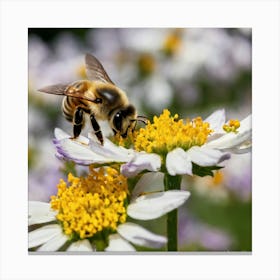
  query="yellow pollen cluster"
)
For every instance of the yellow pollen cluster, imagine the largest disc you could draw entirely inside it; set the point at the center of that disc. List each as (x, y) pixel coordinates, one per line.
(127, 141)
(89, 205)
(232, 126)
(167, 132)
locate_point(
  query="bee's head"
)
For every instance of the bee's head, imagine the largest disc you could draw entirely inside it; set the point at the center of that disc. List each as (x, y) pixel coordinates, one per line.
(123, 119)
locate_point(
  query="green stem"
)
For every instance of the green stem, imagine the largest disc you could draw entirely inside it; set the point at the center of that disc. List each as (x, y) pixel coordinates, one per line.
(172, 183)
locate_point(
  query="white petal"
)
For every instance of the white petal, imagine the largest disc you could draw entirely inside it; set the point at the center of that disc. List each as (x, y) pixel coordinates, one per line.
(140, 236)
(154, 205)
(40, 212)
(60, 134)
(94, 153)
(217, 120)
(205, 156)
(246, 124)
(141, 161)
(110, 150)
(54, 244)
(149, 182)
(234, 140)
(245, 147)
(79, 153)
(42, 235)
(80, 246)
(178, 162)
(117, 243)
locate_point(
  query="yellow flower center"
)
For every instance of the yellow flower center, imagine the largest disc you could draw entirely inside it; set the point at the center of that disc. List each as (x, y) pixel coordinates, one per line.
(81, 72)
(167, 132)
(173, 42)
(232, 126)
(146, 64)
(218, 178)
(88, 205)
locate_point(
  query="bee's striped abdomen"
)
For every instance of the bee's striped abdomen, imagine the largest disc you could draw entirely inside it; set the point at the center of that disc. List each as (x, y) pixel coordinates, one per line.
(69, 105)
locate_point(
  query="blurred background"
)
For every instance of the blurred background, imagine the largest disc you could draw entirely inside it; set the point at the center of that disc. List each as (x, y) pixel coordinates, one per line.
(189, 71)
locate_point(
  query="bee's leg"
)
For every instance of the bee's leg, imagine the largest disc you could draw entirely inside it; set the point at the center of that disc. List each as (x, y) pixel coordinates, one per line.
(78, 121)
(96, 129)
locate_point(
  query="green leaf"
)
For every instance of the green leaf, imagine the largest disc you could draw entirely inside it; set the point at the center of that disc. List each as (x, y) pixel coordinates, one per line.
(204, 170)
(69, 167)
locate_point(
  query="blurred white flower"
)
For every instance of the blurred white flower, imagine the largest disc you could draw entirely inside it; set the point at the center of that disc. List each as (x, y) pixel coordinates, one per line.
(193, 232)
(237, 176)
(143, 39)
(212, 49)
(38, 52)
(44, 169)
(158, 91)
(47, 67)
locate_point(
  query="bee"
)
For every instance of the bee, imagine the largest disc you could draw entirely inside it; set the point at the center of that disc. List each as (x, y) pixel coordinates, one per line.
(100, 98)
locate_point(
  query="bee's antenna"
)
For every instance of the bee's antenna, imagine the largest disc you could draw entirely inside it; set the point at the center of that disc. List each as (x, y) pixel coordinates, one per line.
(142, 119)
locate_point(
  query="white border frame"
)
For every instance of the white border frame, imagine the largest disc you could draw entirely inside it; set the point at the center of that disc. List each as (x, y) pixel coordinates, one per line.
(262, 16)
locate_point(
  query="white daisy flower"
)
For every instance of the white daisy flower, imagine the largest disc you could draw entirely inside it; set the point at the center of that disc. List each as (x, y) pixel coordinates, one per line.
(90, 208)
(167, 144)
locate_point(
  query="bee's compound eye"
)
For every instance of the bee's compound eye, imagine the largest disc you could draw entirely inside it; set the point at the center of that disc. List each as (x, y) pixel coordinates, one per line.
(118, 121)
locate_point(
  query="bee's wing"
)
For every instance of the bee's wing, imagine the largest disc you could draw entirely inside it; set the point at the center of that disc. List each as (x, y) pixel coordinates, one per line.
(58, 89)
(95, 70)
(61, 89)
